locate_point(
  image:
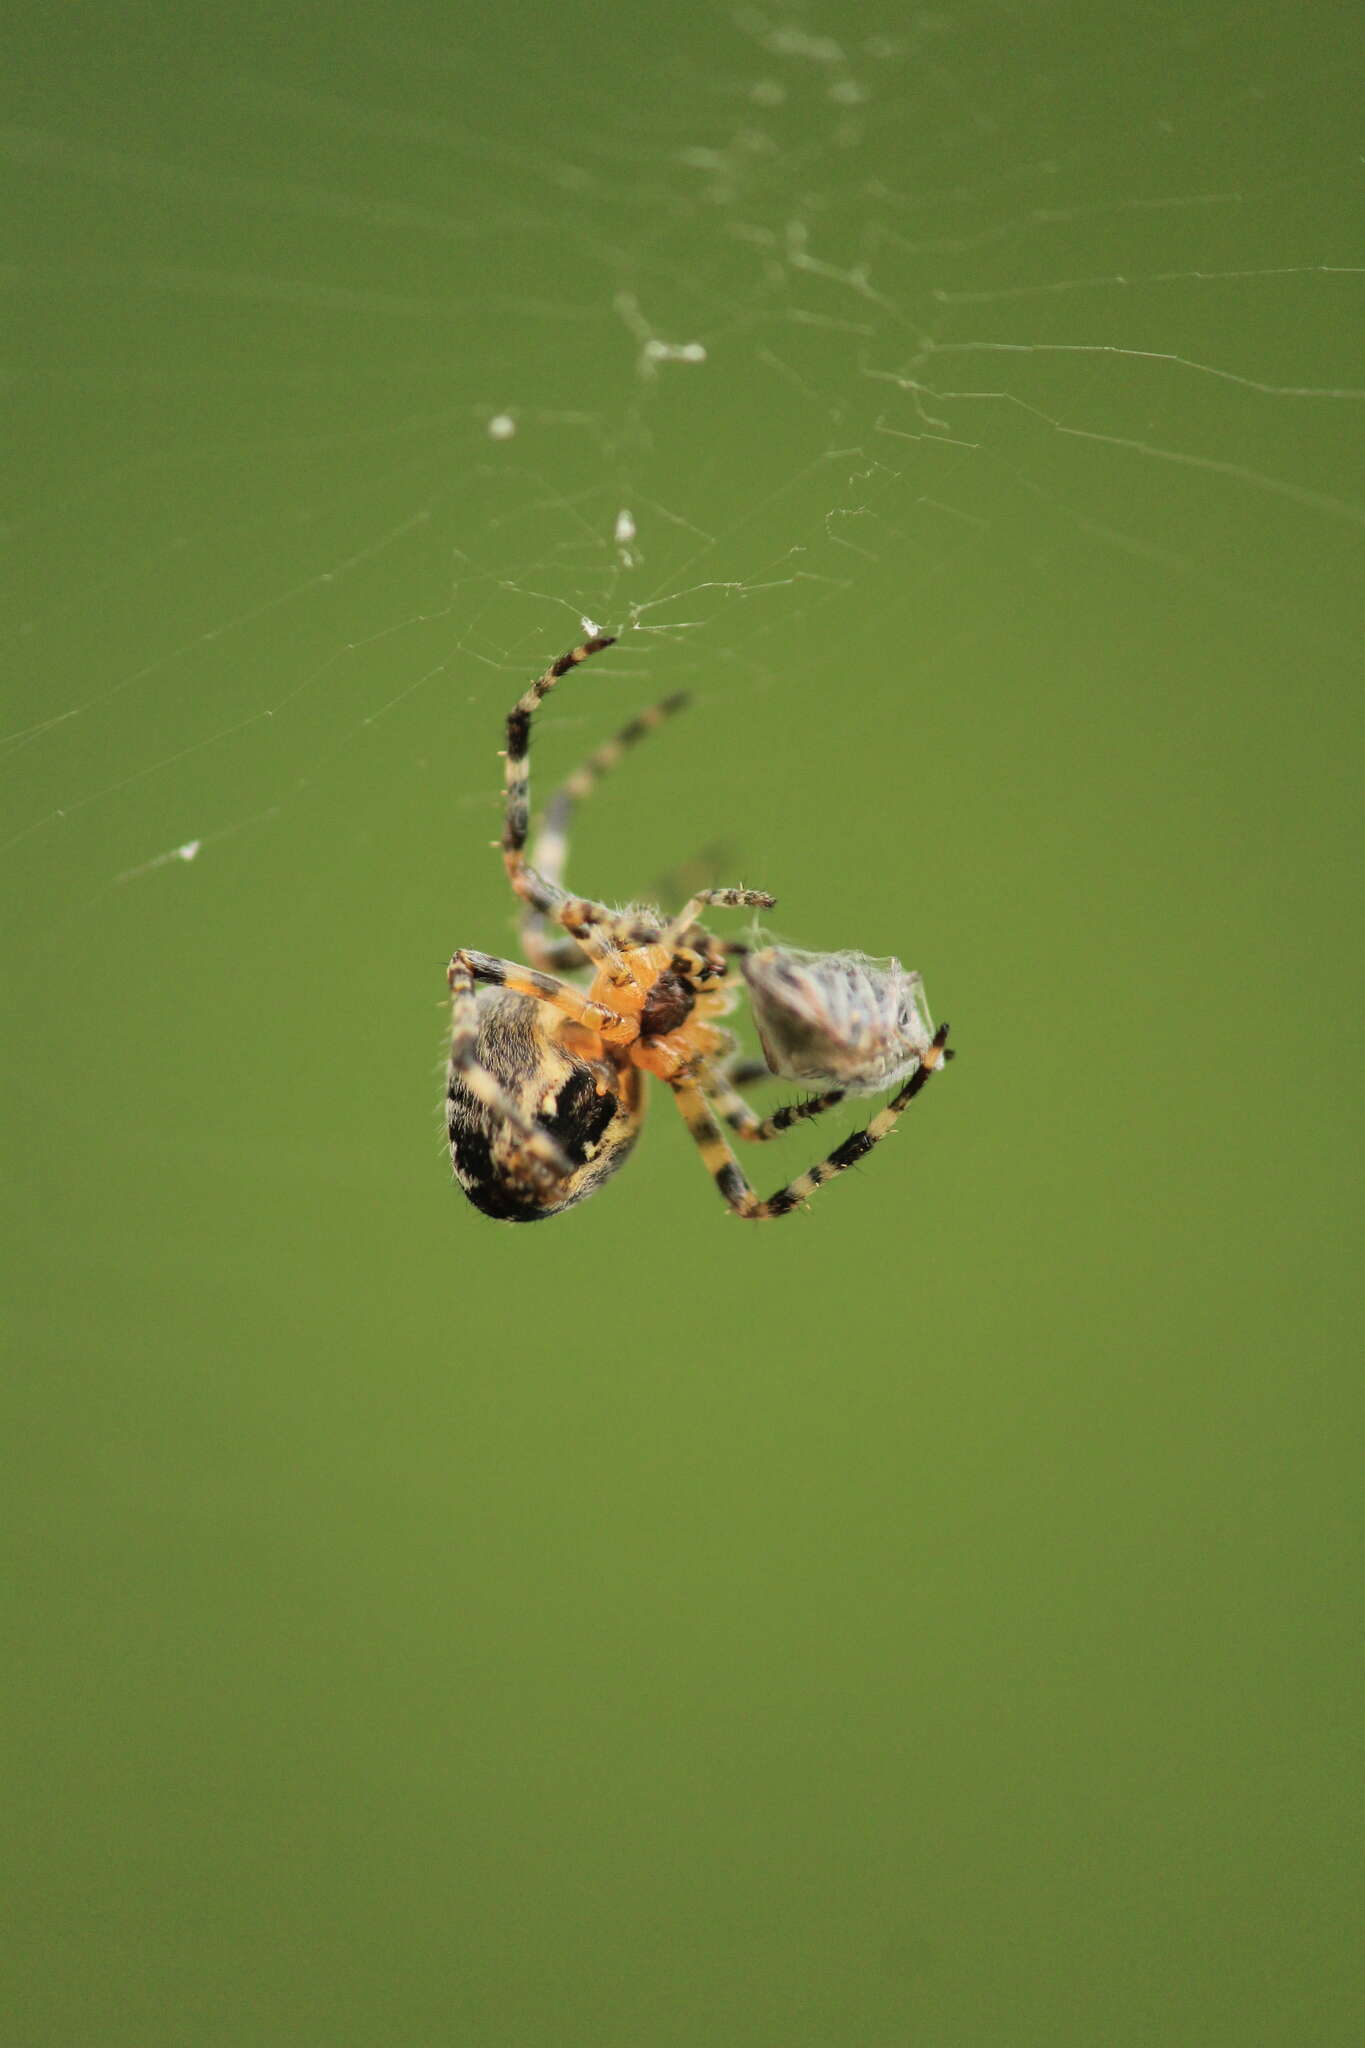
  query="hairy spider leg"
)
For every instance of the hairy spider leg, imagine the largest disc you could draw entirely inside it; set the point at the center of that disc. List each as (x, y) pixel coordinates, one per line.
(725, 1170)
(485, 1087)
(726, 899)
(586, 921)
(746, 1122)
(551, 845)
(528, 981)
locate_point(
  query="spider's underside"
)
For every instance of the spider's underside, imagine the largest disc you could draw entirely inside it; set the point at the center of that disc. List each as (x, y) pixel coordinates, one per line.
(545, 1092)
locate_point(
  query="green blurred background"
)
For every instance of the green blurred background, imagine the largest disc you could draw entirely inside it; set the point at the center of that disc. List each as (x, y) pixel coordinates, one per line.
(927, 1620)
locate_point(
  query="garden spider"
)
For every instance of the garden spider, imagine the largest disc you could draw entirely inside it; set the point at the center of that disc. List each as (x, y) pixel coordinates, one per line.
(545, 1093)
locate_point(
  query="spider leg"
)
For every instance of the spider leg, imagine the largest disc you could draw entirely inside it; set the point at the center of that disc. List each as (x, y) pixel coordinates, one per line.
(467, 966)
(735, 1189)
(579, 915)
(557, 956)
(726, 899)
(745, 1122)
(550, 848)
(485, 1087)
(748, 1073)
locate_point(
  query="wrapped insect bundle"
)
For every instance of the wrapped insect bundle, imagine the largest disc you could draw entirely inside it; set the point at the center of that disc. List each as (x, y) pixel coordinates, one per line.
(839, 1020)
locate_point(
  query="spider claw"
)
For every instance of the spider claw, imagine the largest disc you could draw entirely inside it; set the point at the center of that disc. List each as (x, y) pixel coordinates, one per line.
(939, 1052)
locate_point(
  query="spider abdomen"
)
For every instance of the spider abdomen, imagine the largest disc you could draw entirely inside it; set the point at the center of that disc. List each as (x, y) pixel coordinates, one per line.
(590, 1107)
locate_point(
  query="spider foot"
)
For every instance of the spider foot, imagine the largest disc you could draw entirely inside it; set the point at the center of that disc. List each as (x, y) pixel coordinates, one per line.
(741, 899)
(939, 1051)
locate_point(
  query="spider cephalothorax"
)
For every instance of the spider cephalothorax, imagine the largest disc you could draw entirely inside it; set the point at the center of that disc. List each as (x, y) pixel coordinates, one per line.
(545, 1094)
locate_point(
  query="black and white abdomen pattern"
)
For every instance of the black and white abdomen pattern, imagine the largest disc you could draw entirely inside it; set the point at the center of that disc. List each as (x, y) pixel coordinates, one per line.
(576, 1102)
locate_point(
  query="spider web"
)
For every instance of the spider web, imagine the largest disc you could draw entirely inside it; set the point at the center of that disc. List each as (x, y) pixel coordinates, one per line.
(350, 379)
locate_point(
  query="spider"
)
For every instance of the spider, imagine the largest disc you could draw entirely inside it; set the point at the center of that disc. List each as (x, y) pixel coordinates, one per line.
(545, 1092)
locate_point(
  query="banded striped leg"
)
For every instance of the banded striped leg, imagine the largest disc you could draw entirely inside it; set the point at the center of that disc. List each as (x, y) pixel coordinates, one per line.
(551, 846)
(735, 1189)
(748, 1073)
(747, 1123)
(578, 914)
(467, 966)
(725, 899)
